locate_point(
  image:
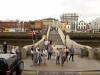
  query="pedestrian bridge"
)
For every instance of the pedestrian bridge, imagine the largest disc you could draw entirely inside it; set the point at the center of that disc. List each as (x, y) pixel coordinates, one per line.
(79, 65)
(60, 40)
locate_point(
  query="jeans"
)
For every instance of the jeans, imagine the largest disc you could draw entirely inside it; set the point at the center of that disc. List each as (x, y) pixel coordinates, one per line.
(49, 55)
(66, 57)
(58, 60)
(32, 56)
(39, 60)
(71, 56)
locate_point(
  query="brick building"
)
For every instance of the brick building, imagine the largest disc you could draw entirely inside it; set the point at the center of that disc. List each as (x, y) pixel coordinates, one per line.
(6, 25)
(23, 26)
(38, 24)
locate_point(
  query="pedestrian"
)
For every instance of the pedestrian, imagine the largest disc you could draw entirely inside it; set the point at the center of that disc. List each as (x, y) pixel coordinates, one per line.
(57, 57)
(82, 52)
(13, 50)
(35, 57)
(5, 47)
(56, 29)
(46, 43)
(51, 28)
(49, 52)
(45, 54)
(62, 57)
(71, 52)
(66, 53)
(37, 48)
(50, 42)
(39, 57)
(32, 52)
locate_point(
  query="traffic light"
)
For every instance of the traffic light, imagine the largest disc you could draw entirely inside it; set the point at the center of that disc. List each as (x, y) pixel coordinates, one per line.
(34, 36)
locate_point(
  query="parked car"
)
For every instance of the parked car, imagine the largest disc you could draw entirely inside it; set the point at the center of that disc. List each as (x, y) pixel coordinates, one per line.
(10, 64)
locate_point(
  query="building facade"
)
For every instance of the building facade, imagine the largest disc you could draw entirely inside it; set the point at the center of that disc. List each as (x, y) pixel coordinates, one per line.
(82, 26)
(38, 24)
(20, 26)
(70, 19)
(8, 26)
(62, 26)
(50, 22)
(68, 28)
(95, 25)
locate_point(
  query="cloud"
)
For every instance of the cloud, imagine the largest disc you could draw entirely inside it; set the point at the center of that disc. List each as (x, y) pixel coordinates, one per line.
(35, 9)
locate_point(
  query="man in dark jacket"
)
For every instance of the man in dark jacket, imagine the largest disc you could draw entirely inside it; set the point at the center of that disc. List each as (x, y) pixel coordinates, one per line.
(71, 52)
(5, 47)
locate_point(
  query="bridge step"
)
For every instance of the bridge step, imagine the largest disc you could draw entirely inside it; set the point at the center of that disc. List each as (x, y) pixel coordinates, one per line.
(30, 72)
(57, 73)
(56, 39)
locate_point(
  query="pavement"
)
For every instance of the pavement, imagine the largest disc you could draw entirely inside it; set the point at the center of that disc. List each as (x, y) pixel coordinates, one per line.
(80, 64)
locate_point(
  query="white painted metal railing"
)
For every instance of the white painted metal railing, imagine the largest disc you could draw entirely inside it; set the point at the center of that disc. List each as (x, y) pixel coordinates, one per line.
(61, 35)
(48, 32)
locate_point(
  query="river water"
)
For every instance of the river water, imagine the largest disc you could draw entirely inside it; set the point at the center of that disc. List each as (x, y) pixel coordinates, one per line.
(17, 42)
(92, 44)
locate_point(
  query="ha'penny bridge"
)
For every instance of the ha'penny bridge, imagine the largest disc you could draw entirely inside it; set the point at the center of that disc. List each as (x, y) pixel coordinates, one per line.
(86, 64)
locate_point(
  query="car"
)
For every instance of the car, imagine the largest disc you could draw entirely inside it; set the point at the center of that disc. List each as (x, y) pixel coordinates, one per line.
(10, 64)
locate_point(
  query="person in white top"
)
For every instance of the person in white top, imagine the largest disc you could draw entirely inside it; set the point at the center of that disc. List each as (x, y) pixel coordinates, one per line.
(46, 43)
(45, 55)
(37, 48)
(32, 51)
(13, 51)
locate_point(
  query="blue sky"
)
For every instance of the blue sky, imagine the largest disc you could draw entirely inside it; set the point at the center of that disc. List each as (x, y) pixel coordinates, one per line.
(38, 9)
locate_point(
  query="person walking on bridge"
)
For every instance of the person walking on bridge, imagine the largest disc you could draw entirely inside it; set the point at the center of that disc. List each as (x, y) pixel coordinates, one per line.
(39, 56)
(57, 52)
(32, 51)
(62, 57)
(66, 53)
(71, 52)
(35, 57)
(50, 49)
(45, 54)
(46, 43)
